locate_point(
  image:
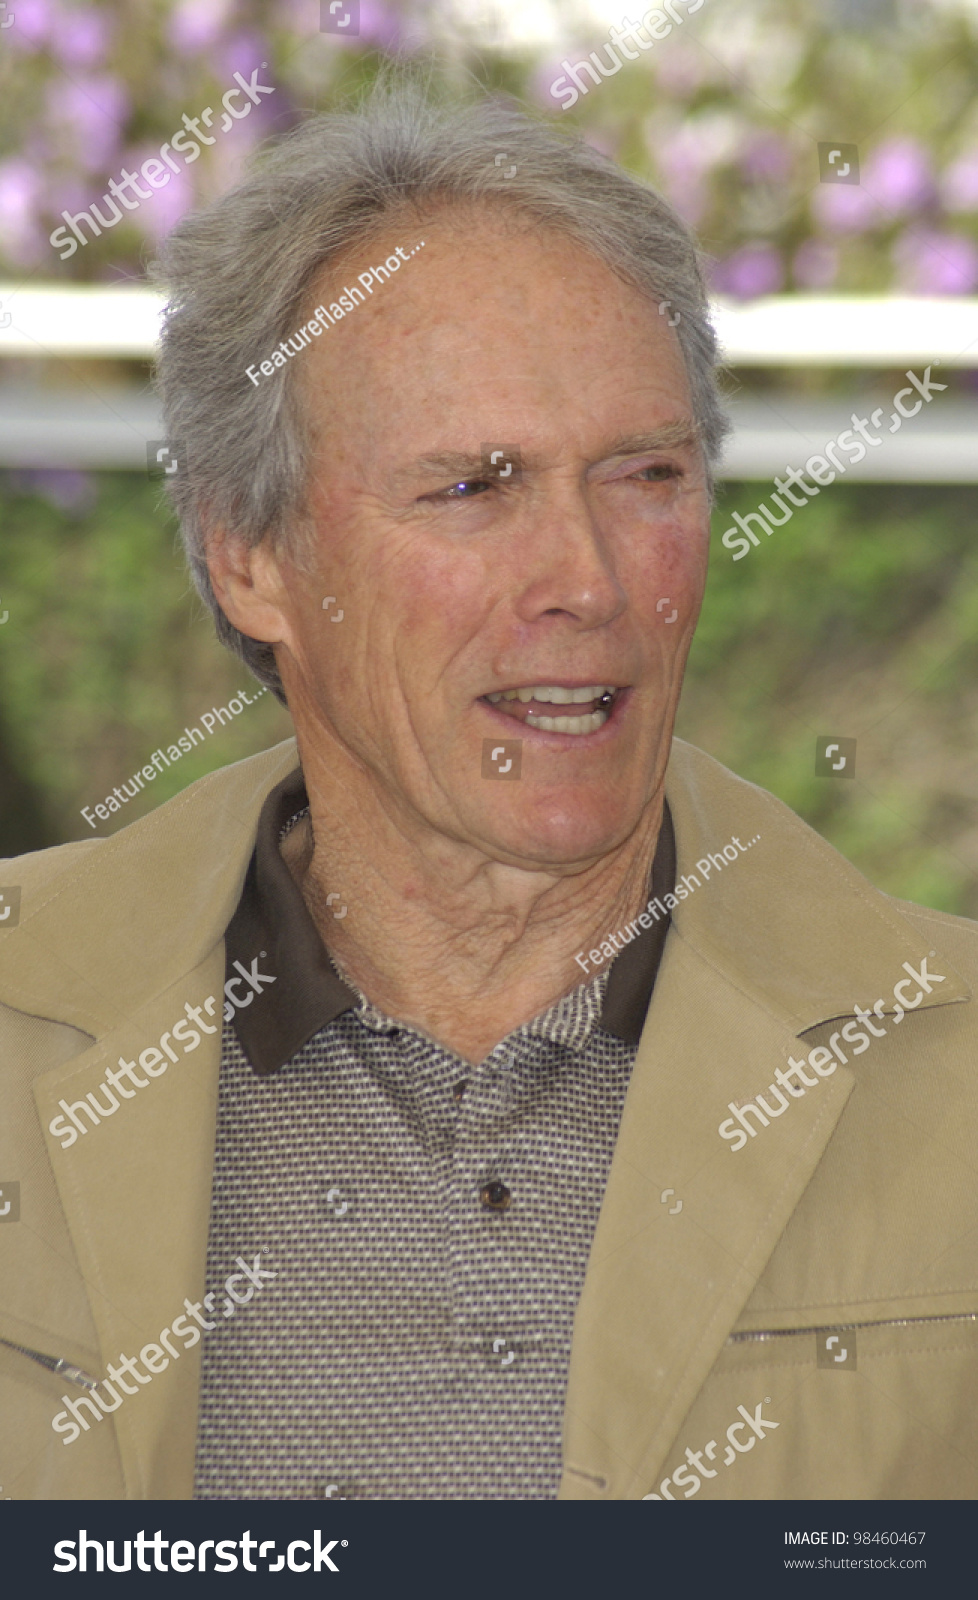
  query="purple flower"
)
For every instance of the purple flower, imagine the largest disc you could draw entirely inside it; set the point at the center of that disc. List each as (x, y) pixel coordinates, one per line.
(243, 52)
(33, 20)
(23, 241)
(156, 216)
(815, 265)
(683, 164)
(64, 488)
(92, 112)
(959, 185)
(898, 175)
(845, 208)
(681, 70)
(19, 185)
(229, 157)
(81, 38)
(685, 156)
(698, 145)
(195, 24)
(542, 75)
(381, 27)
(753, 270)
(67, 193)
(928, 262)
(767, 156)
(690, 197)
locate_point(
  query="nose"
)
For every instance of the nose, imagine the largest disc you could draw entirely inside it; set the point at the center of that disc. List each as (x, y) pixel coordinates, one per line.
(572, 572)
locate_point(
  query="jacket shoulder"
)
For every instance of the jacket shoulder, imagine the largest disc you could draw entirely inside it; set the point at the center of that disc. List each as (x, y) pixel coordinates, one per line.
(713, 786)
(239, 788)
(105, 925)
(957, 935)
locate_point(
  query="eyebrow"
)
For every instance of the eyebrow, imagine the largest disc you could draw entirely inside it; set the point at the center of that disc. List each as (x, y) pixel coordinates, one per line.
(683, 431)
(461, 464)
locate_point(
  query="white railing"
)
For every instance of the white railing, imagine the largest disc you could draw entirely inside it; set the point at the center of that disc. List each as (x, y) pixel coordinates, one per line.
(774, 331)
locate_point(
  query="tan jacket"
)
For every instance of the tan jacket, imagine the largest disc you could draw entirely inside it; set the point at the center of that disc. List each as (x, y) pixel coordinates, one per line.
(854, 1208)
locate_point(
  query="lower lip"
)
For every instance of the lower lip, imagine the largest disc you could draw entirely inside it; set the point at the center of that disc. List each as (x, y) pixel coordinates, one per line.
(608, 730)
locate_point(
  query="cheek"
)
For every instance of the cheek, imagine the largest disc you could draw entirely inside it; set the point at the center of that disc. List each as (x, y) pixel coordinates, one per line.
(433, 603)
(670, 560)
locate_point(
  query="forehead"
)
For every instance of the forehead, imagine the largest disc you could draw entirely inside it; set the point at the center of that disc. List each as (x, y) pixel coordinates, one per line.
(495, 312)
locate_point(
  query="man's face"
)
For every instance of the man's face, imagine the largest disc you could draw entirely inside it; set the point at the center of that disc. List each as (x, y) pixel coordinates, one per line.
(585, 572)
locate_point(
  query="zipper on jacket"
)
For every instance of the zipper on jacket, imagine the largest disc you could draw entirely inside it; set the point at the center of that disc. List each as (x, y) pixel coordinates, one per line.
(850, 1327)
(56, 1364)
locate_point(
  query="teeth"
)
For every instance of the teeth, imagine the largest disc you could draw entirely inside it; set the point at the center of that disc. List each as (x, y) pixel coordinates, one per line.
(553, 694)
(588, 724)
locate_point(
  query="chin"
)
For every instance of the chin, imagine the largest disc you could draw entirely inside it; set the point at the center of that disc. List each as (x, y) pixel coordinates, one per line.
(580, 834)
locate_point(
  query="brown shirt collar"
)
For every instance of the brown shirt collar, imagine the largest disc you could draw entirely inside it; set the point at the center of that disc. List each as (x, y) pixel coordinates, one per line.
(273, 924)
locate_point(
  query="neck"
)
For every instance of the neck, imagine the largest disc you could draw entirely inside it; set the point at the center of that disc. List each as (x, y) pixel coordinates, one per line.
(445, 939)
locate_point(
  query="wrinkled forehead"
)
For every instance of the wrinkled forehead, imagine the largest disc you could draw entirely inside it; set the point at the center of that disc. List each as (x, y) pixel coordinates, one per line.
(481, 316)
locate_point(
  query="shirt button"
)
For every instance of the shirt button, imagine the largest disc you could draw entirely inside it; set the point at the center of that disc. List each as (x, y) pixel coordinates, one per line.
(495, 1196)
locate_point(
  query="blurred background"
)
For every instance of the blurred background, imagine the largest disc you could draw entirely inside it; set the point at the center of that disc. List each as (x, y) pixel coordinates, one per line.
(857, 620)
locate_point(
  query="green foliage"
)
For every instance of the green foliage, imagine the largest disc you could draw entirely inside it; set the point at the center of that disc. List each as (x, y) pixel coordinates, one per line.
(107, 655)
(859, 617)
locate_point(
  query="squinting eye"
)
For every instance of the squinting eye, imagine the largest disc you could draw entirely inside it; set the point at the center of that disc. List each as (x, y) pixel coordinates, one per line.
(662, 472)
(459, 490)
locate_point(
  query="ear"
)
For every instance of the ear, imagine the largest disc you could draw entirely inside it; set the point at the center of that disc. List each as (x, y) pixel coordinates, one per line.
(250, 588)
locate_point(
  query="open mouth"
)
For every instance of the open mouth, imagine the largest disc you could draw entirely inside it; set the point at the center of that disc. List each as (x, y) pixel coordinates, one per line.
(555, 709)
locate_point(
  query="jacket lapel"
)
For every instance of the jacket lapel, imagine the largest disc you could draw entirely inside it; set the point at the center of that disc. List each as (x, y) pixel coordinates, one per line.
(154, 902)
(663, 1289)
(783, 937)
(136, 1193)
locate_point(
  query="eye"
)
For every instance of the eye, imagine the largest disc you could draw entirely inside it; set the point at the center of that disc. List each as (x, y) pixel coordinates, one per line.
(659, 474)
(467, 489)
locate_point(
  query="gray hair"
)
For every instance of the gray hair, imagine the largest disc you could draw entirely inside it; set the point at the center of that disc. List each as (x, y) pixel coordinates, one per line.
(238, 273)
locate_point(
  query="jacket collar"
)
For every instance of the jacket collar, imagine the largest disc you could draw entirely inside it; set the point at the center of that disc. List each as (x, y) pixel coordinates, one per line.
(145, 906)
(788, 923)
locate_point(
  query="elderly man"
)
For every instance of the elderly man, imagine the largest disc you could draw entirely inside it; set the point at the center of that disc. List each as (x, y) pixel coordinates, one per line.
(581, 1124)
